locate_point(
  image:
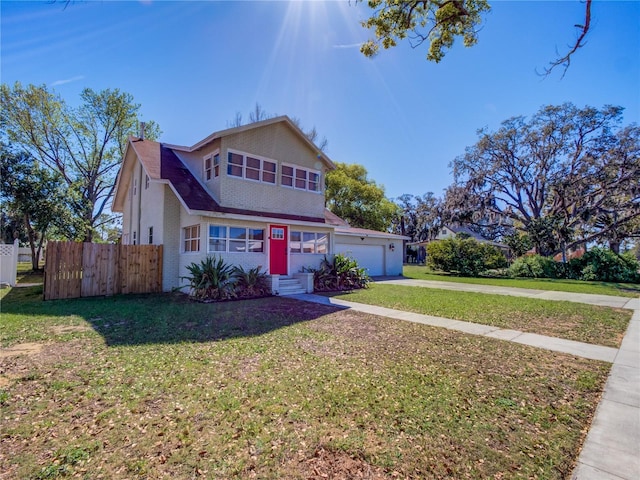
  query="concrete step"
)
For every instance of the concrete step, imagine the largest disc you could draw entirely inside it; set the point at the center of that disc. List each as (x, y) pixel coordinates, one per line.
(290, 286)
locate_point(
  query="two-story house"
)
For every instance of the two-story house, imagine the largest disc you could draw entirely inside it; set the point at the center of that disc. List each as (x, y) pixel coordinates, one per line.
(252, 194)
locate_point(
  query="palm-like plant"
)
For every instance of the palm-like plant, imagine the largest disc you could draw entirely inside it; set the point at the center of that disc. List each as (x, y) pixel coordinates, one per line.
(252, 282)
(212, 279)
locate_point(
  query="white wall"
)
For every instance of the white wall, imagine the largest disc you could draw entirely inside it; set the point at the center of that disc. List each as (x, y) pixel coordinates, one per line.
(9, 263)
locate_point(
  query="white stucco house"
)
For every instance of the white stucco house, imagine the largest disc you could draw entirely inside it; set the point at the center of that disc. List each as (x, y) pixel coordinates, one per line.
(253, 194)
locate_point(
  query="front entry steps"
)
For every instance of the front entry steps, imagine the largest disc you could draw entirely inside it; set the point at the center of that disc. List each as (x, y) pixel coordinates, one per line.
(301, 282)
(290, 286)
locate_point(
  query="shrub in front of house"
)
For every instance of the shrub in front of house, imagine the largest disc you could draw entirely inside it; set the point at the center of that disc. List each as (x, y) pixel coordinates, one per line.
(251, 283)
(341, 273)
(214, 280)
(464, 256)
(533, 266)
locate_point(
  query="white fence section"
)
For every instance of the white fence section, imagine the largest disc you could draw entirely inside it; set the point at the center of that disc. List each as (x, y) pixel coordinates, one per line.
(24, 254)
(9, 263)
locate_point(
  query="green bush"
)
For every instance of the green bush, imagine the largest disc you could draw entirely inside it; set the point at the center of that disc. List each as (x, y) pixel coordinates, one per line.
(465, 256)
(341, 273)
(604, 265)
(533, 266)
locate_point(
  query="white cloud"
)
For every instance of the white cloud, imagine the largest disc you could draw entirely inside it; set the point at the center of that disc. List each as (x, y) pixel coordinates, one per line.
(348, 45)
(67, 80)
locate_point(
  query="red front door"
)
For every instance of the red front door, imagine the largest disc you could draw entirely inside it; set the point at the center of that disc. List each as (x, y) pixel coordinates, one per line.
(278, 249)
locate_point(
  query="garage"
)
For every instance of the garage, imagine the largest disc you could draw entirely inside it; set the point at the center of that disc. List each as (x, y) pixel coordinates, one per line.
(370, 257)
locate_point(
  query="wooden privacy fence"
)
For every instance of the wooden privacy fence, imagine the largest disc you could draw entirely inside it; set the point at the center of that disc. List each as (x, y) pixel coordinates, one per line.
(75, 269)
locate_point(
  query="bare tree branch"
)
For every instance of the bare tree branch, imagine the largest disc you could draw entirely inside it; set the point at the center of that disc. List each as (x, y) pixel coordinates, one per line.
(565, 61)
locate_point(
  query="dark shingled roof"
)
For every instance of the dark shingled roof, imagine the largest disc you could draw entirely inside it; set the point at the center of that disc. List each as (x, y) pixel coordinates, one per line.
(184, 183)
(196, 197)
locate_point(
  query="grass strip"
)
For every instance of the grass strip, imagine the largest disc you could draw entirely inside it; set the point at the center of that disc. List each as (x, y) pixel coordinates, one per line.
(573, 321)
(560, 285)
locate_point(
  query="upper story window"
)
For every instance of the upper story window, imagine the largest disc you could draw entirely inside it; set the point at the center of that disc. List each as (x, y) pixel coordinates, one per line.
(208, 167)
(191, 238)
(146, 182)
(211, 166)
(251, 168)
(300, 178)
(216, 165)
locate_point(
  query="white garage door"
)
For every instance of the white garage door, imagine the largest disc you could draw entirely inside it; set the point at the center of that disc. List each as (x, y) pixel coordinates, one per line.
(370, 257)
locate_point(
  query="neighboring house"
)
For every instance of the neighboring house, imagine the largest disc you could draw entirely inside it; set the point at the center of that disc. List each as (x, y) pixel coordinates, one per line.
(451, 232)
(253, 194)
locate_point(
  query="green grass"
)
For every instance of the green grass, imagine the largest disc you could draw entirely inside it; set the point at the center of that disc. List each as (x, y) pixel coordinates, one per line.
(574, 286)
(573, 321)
(156, 386)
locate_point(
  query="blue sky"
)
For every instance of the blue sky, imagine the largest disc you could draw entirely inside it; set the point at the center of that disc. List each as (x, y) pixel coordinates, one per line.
(193, 65)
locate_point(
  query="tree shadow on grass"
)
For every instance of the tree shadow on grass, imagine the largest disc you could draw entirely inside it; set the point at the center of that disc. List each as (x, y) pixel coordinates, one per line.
(162, 318)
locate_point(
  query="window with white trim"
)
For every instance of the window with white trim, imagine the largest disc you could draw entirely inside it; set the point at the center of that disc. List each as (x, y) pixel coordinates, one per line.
(211, 166)
(191, 238)
(309, 242)
(235, 165)
(216, 165)
(224, 238)
(300, 178)
(251, 168)
(208, 167)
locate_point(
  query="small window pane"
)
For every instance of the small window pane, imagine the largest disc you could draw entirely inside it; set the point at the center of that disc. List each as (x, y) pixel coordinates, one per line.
(237, 233)
(217, 245)
(253, 174)
(217, 231)
(322, 243)
(237, 246)
(253, 162)
(234, 170)
(236, 159)
(256, 234)
(308, 242)
(294, 244)
(269, 167)
(256, 246)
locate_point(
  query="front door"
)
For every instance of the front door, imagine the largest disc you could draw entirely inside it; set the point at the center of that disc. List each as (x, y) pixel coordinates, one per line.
(278, 249)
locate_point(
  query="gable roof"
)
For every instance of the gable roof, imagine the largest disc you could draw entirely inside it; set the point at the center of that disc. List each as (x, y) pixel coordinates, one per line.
(252, 126)
(162, 164)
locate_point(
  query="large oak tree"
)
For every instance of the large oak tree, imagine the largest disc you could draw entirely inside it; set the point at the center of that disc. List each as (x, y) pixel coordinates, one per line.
(565, 176)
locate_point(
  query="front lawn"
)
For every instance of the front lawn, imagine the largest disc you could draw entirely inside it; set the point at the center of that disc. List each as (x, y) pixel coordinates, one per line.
(573, 321)
(561, 285)
(156, 386)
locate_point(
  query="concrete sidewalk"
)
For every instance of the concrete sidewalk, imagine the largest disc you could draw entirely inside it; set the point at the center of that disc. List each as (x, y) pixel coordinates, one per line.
(612, 448)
